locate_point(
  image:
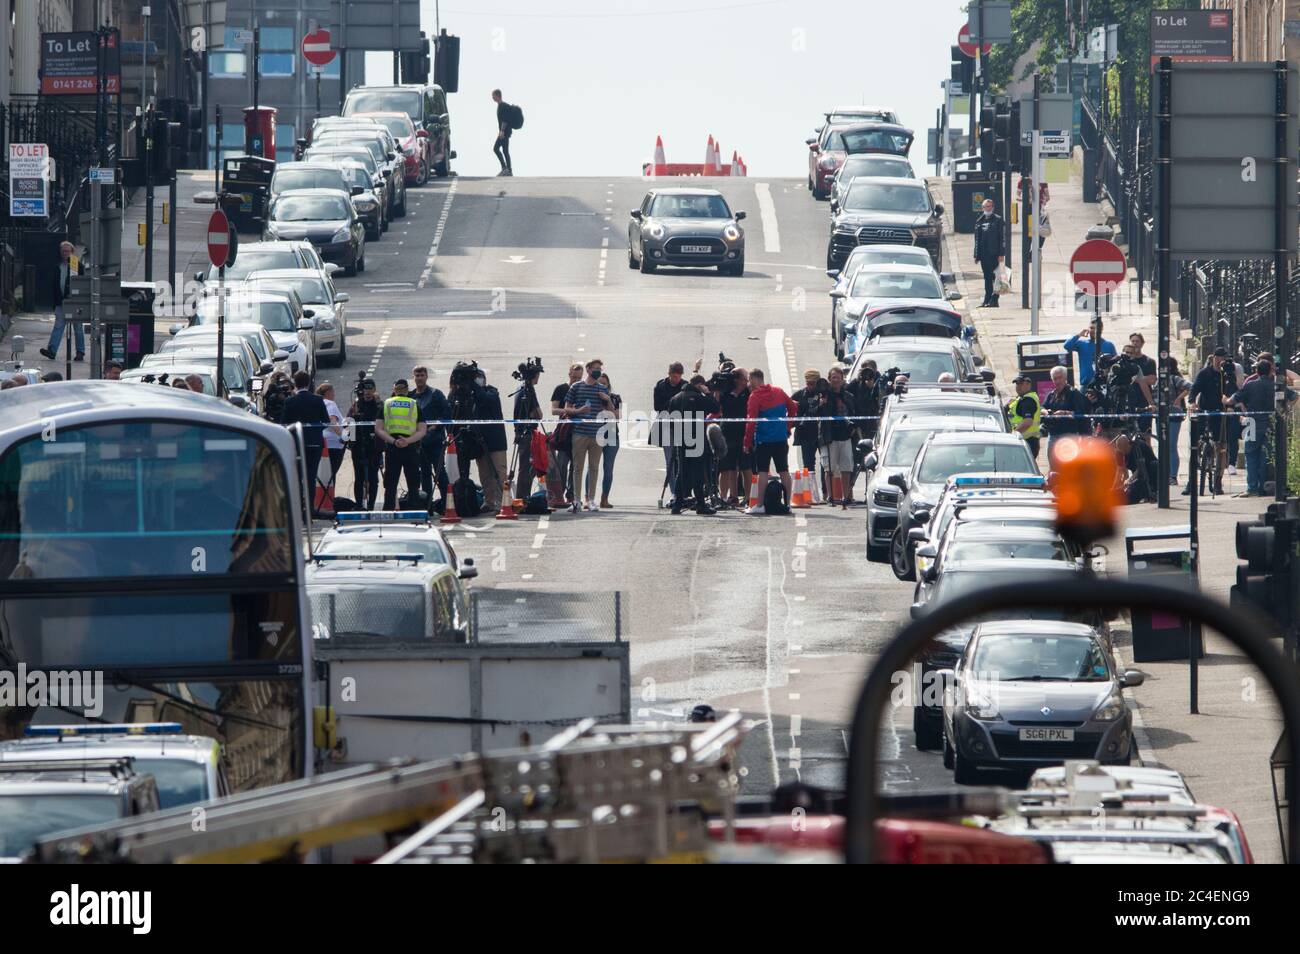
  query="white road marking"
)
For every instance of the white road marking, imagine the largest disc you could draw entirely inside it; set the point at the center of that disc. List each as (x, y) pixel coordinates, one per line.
(467, 314)
(767, 212)
(778, 367)
(437, 234)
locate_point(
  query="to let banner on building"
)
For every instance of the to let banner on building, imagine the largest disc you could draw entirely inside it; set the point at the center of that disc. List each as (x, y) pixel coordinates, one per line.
(29, 173)
(1191, 36)
(69, 64)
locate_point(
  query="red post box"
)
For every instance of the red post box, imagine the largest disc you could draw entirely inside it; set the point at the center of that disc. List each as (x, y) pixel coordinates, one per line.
(259, 131)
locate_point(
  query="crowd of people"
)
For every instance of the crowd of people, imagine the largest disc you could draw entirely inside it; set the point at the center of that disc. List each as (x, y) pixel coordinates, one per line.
(1224, 400)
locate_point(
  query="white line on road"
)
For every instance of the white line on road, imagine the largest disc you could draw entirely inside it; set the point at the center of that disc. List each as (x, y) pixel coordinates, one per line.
(467, 314)
(767, 212)
(437, 234)
(778, 366)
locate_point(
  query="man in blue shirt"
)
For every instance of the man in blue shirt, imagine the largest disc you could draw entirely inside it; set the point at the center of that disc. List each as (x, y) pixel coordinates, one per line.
(1086, 354)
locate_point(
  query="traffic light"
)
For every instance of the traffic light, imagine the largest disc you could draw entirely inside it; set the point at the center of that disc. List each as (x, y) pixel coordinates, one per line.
(962, 70)
(987, 115)
(1001, 131)
(415, 63)
(1012, 147)
(446, 62)
(1268, 580)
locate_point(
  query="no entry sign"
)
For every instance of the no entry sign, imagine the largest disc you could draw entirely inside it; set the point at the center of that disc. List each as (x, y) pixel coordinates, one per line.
(220, 249)
(1098, 267)
(967, 47)
(316, 48)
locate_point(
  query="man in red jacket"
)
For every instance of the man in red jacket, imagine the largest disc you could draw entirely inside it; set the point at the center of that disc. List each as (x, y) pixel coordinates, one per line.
(769, 436)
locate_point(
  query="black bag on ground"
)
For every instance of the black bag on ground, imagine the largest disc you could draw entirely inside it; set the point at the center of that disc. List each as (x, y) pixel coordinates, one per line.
(417, 500)
(774, 499)
(536, 504)
(468, 497)
(345, 505)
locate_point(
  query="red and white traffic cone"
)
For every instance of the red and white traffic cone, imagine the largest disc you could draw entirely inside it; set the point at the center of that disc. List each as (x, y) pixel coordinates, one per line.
(708, 158)
(660, 159)
(734, 168)
(449, 514)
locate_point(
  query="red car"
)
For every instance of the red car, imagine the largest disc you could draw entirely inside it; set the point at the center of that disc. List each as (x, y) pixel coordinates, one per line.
(414, 148)
(828, 150)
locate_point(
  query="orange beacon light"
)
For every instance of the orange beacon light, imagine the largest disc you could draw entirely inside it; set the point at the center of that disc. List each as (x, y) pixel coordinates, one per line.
(1086, 484)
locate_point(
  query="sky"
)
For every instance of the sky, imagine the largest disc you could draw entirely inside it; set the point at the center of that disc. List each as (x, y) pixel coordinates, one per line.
(598, 80)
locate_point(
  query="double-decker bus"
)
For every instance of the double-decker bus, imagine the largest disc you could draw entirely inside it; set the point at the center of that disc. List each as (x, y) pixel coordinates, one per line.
(155, 536)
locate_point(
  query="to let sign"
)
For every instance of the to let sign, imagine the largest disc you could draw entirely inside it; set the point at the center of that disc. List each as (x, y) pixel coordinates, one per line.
(1191, 36)
(29, 168)
(69, 67)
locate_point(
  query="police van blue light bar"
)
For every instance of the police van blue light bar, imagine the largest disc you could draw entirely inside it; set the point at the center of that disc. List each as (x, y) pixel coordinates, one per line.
(381, 516)
(97, 728)
(1021, 480)
(367, 557)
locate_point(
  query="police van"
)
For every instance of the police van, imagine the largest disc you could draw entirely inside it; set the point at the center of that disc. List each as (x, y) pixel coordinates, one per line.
(367, 533)
(40, 798)
(186, 768)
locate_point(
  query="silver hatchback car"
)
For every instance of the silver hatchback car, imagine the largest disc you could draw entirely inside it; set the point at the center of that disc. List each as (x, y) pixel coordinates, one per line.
(692, 228)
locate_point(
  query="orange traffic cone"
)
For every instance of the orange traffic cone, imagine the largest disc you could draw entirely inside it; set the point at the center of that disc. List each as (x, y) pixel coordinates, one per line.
(449, 514)
(708, 157)
(660, 159)
(735, 164)
(507, 511)
(802, 494)
(744, 169)
(754, 499)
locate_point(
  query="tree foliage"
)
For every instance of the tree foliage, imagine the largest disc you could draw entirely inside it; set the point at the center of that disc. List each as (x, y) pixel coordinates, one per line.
(1033, 20)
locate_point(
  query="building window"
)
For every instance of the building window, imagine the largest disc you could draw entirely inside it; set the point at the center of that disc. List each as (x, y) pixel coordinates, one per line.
(229, 59)
(277, 52)
(232, 141)
(284, 136)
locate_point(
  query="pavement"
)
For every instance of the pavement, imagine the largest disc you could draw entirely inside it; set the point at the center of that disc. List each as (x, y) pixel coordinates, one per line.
(1223, 750)
(777, 616)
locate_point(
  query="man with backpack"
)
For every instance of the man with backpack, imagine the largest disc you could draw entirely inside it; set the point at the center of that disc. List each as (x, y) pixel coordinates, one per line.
(767, 433)
(509, 118)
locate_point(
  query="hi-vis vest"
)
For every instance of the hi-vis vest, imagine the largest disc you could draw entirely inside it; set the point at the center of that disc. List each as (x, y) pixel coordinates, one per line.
(401, 416)
(1016, 419)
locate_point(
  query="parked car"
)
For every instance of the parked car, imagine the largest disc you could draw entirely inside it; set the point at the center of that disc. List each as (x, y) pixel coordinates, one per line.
(326, 219)
(835, 143)
(879, 287)
(327, 304)
(258, 338)
(402, 129)
(867, 164)
(427, 107)
(292, 176)
(384, 150)
(259, 256)
(367, 199)
(1029, 693)
(337, 152)
(279, 312)
(889, 211)
(694, 228)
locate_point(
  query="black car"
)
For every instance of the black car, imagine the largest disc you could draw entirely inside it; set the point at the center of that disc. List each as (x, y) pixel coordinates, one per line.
(878, 210)
(325, 218)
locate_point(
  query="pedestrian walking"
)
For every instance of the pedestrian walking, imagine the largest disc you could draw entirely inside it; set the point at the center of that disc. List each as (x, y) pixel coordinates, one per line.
(60, 288)
(309, 410)
(609, 441)
(767, 433)
(583, 403)
(989, 252)
(505, 126)
(401, 431)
